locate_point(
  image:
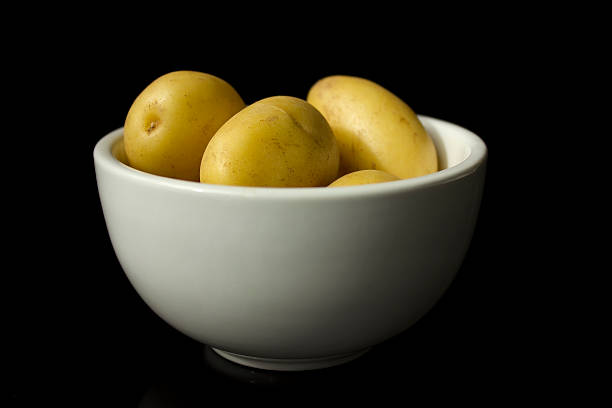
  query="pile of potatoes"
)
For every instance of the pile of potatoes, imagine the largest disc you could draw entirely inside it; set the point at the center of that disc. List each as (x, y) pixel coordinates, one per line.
(348, 131)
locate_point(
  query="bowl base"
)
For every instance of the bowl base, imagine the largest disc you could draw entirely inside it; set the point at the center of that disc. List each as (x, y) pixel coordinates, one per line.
(290, 364)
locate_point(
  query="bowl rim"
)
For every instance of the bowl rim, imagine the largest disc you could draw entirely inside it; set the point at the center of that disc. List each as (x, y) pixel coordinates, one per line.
(477, 155)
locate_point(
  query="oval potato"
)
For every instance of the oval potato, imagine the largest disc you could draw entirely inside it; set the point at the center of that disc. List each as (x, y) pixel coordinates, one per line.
(171, 122)
(280, 141)
(374, 128)
(363, 177)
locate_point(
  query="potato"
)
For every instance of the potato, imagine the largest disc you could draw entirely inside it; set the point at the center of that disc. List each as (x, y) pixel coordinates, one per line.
(280, 141)
(118, 150)
(374, 128)
(171, 122)
(363, 177)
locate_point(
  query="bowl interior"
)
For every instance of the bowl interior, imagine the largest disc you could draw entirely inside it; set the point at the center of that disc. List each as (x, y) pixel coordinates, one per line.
(454, 146)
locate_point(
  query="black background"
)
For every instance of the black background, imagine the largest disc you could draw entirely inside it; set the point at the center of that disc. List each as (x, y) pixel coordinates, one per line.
(78, 332)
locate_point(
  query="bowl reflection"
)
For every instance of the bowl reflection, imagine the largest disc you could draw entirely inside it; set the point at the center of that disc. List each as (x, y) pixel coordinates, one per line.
(215, 376)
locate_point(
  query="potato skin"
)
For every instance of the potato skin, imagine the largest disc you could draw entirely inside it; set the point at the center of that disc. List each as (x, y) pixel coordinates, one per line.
(363, 177)
(280, 141)
(118, 150)
(374, 128)
(171, 122)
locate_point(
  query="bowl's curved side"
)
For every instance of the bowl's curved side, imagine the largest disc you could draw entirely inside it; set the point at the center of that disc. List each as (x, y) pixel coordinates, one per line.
(277, 277)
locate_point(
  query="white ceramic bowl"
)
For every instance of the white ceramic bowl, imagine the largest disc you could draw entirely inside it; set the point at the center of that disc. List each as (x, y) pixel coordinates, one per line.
(294, 278)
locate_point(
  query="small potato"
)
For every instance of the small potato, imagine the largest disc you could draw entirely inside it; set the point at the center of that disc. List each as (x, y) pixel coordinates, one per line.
(172, 120)
(118, 150)
(363, 177)
(375, 129)
(281, 141)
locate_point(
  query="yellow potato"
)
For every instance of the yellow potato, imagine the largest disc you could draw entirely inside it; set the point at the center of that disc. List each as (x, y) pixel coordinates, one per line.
(171, 122)
(118, 150)
(280, 141)
(363, 177)
(374, 128)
